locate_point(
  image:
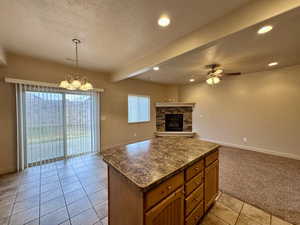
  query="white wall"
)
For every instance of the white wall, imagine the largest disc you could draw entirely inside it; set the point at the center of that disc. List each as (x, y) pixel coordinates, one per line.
(263, 106)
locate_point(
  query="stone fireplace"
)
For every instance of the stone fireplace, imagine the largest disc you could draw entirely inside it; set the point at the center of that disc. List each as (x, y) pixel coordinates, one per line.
(174, 117)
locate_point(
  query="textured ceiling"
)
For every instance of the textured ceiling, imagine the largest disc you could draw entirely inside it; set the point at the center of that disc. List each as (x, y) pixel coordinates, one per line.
(113, 32)
(244, 52)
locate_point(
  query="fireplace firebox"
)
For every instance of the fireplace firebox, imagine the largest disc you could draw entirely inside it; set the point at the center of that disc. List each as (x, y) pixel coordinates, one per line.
(174, 122)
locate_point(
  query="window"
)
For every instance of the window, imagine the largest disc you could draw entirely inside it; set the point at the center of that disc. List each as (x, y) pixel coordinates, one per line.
(138, 108)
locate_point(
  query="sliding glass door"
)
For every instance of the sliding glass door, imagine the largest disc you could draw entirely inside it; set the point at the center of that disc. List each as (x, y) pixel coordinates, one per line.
(44, 125)
(79, 130)
(59, 124)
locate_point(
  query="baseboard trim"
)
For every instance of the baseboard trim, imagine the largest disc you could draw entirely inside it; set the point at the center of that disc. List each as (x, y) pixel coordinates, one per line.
(255, 149)
(7, 171)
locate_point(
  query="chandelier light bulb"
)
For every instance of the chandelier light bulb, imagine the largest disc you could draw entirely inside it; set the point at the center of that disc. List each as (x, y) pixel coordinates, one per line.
(70, 87)
(76, 83)
(86, 87)
(64, 84)
(89, 86)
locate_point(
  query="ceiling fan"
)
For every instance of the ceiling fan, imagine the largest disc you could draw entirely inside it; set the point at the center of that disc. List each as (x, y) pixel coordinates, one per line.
(215, 72)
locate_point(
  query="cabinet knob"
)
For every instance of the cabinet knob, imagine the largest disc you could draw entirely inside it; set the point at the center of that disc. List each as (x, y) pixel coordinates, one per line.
(169, 187)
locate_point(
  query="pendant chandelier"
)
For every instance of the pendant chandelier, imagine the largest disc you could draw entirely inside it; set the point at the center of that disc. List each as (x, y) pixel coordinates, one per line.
(76, 82)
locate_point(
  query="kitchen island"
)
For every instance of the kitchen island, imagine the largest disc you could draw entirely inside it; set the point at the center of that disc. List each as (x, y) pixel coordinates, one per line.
(161, 181)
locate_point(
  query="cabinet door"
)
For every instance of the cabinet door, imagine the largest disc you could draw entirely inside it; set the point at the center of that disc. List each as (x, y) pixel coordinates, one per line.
(211, 183)
(168, 212)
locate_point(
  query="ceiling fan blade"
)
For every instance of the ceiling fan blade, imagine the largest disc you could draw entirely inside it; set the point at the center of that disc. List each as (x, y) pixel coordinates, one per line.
(233, 74)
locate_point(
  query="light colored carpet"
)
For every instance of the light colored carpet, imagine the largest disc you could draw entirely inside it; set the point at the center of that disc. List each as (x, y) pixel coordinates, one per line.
(269, 182)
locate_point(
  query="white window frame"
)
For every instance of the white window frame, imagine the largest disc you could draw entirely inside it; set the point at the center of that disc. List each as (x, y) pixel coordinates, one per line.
(149, 108)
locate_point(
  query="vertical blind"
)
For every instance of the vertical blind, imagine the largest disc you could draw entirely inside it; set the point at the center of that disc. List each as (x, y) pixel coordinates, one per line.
(138, 108)
(55, 124)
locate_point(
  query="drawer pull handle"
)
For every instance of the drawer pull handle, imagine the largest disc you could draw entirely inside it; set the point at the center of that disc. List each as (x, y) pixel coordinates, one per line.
(196, 168)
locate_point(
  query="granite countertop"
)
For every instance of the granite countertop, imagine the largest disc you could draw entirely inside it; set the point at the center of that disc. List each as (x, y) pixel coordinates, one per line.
(150, 162)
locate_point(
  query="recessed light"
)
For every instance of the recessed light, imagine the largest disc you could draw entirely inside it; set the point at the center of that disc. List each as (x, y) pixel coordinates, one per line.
(192, 80)
(273, 64)
(265, 29)
(164, 21)
(155, 68)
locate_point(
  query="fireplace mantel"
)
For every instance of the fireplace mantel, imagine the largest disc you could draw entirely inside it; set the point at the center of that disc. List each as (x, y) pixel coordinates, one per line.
(175, 104)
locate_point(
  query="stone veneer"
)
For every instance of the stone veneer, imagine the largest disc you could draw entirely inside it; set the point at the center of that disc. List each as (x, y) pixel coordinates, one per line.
(162, 111)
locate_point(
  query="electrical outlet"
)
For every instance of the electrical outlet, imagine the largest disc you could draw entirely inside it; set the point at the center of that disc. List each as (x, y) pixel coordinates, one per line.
(245, 139)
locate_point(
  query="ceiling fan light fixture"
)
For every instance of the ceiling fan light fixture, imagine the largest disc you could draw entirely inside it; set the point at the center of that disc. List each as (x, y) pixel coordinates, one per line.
(218, 71)
(213, 80)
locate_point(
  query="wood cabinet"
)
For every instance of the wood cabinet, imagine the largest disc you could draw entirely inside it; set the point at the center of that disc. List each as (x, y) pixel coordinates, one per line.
(157, 194)
(181, 199)
(169, 211)
(211, 183)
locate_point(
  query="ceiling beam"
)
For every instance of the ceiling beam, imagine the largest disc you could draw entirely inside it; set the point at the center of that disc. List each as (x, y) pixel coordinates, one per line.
(253, 13)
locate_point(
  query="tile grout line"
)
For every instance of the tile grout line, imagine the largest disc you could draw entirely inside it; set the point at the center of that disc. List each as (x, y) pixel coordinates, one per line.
(13, 205)
(59, 179)
(87, 194)
(239, 213)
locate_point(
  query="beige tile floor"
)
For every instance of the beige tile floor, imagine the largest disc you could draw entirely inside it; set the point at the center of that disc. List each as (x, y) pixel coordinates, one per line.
(74, 192)
(64, 192)
(230, 211)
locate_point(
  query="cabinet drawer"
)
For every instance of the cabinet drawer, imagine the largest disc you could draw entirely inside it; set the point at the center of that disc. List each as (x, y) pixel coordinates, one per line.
(194, 170)
(195, 216)
(193, 183)
(163, 190)
(211, 158)
(194, 199)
